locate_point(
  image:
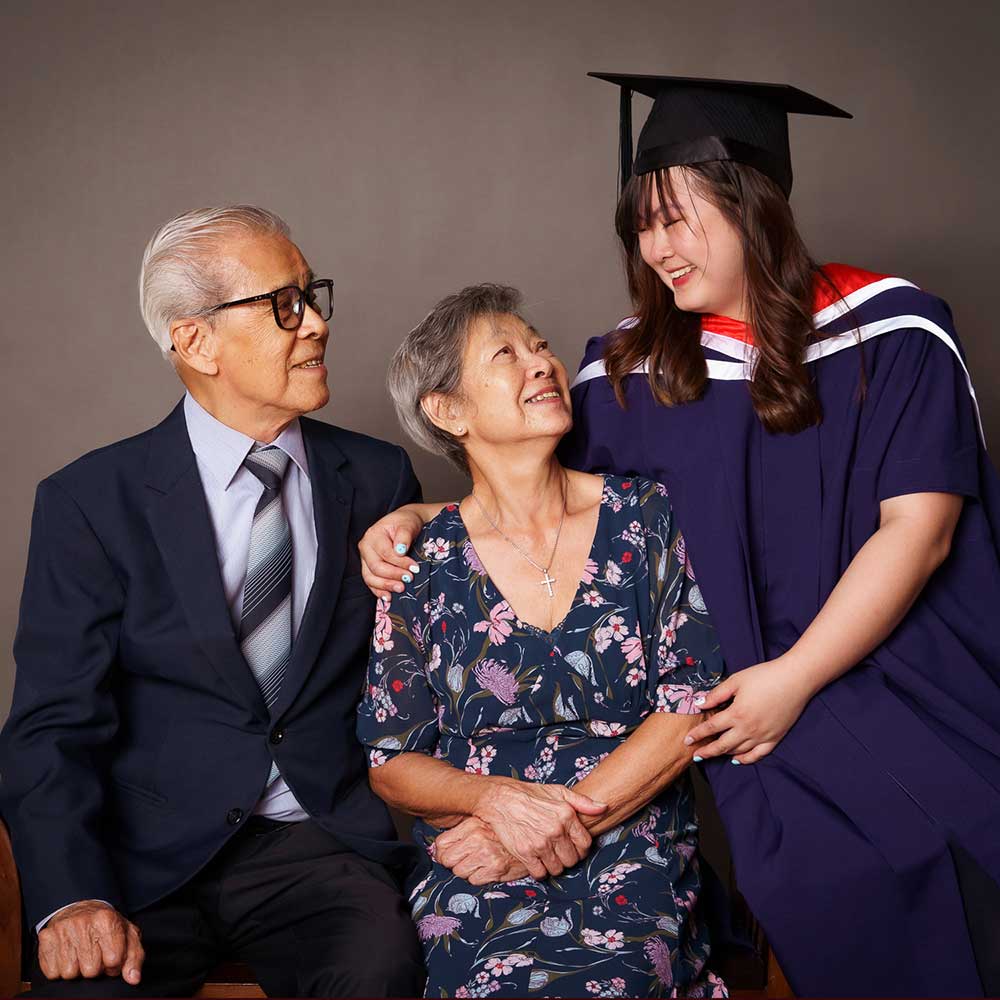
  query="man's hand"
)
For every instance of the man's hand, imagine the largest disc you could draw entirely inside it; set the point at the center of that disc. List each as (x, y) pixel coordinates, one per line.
(539, 824)
(89, 939)
(472, 851)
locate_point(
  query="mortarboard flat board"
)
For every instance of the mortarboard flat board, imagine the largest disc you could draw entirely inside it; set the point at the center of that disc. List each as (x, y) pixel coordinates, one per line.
(696, 120)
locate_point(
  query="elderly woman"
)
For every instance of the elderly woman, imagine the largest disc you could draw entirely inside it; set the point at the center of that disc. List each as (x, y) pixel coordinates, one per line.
(529, 692)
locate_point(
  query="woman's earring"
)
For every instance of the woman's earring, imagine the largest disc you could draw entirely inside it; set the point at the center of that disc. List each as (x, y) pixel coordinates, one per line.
(459, 430)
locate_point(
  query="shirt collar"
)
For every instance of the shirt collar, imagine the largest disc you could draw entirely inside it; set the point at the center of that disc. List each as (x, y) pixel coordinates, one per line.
(222, 449)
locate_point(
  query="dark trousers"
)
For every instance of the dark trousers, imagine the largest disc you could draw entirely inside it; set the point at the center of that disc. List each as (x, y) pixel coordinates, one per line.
(309, 916)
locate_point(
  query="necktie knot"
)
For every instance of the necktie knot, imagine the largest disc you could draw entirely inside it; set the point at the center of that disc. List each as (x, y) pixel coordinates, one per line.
(268, 464)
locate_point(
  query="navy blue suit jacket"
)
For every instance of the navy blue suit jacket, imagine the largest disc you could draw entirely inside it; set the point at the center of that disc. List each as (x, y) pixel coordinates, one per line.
(138, 741)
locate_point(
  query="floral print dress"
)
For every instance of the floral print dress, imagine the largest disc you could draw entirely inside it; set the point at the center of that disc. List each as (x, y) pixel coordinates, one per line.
(454, 673)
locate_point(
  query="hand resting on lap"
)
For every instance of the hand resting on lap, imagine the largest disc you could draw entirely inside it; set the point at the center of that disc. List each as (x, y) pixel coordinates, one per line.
(90, 939)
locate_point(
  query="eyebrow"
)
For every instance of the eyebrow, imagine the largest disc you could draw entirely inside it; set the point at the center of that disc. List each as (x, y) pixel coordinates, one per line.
(497, 333)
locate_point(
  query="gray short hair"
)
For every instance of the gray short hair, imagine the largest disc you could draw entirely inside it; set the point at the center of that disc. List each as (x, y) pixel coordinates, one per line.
(430, 360)
(180, 275)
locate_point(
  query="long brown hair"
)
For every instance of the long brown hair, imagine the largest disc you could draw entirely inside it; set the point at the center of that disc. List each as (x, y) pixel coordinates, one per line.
(779, 283)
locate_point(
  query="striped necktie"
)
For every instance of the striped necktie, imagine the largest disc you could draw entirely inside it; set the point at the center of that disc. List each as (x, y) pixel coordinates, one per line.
(266, 617)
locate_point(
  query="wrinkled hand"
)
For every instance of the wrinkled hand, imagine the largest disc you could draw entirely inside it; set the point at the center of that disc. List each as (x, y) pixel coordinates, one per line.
(472, 851)
(539, 824)
(767, 699)
(382, 567)
(90, 939)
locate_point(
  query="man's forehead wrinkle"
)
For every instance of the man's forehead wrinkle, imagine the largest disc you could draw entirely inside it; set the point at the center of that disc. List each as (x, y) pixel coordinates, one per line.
(247, 277)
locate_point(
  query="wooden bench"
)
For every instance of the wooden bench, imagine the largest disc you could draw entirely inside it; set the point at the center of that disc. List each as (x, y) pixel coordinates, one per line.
(231, 979)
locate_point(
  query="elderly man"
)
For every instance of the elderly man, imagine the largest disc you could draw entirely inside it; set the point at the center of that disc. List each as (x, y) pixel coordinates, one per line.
(179, 766)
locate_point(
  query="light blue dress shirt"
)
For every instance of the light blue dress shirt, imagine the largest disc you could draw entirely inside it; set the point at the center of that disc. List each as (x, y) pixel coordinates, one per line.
(232, 492)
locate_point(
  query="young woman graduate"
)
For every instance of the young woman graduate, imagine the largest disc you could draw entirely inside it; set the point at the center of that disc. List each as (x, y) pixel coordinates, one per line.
(818, 433)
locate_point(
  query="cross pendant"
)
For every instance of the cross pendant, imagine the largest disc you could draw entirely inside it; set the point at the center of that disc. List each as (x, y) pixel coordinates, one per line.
(547, 582)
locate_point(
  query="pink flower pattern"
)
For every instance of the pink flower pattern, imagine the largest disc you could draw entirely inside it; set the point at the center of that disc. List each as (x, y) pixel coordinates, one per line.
(499, 625)
(382, 636)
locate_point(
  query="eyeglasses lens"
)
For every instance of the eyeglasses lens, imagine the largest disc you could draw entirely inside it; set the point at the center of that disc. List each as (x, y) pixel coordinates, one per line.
(320, 296)
(289, 302)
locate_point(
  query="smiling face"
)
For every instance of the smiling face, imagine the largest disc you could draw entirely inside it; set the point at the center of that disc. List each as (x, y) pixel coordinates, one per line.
(251, 373)
(693, 248)
(514, 390)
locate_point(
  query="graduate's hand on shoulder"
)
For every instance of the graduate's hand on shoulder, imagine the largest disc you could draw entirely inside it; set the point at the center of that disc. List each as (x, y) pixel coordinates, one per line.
(753, 710)
(382, 564)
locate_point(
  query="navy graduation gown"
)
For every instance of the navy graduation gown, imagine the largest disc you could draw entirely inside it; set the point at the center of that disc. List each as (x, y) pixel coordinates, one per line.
(844, 837)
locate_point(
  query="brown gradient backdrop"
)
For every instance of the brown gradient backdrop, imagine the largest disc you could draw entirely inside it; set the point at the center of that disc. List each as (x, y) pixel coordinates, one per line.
(418, 147)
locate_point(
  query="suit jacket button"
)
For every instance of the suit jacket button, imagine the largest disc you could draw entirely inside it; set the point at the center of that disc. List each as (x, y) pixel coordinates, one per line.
(234, 816)
(277, 735)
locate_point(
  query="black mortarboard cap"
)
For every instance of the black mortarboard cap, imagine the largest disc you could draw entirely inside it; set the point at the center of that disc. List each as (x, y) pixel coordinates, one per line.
(695, 121)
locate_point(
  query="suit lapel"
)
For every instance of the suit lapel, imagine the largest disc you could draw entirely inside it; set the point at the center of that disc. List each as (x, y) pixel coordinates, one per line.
(332, 496)
(179, 518)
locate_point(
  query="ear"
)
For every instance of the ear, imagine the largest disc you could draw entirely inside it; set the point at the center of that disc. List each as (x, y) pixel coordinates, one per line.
(444, 412)
(194, 343)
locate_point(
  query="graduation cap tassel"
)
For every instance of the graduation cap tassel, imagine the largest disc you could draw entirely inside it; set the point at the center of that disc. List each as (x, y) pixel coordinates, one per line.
(625, 138)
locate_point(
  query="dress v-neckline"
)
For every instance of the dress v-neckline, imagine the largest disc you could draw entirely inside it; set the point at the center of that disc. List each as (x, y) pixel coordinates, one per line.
(487, 577)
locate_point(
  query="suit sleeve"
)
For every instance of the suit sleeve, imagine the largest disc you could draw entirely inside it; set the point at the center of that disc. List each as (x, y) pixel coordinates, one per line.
(407, 485)
(63, 717)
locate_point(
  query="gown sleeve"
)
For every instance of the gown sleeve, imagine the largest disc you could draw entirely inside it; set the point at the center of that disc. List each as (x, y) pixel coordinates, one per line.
(922, 433)
(683, 655)
(605, 438)
(399, 709)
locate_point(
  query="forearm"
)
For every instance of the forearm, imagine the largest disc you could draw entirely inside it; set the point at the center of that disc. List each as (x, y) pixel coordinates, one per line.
(870, 600)
(425, 511)
(637, 771)
(424, 786)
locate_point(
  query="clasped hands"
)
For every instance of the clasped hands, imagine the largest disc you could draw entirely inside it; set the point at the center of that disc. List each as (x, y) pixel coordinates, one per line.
(519, 829)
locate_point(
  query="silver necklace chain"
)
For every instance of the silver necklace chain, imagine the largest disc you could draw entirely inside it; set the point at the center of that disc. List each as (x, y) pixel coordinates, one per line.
(544, 570)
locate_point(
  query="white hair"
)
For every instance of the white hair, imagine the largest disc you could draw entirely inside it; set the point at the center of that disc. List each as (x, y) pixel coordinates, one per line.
(430, 361)
(181, 275)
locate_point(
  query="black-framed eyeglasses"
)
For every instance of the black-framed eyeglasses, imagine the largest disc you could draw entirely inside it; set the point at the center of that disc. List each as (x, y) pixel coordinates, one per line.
(289, 303)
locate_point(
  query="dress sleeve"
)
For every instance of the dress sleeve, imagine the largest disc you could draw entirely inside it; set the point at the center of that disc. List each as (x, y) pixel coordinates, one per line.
(399, 709)
(683, 655)
(922, 431)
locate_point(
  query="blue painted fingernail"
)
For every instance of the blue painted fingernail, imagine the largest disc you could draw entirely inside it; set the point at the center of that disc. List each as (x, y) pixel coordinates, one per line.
(736, 762)
(401, 548)
(700, 700)
(697, 759)
(407, 578)
(414, 569)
